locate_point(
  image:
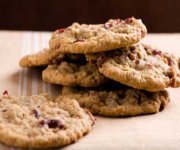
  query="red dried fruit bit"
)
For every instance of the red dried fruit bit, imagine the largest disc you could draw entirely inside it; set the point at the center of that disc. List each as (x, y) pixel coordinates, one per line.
(179, 63)
(129, 20)
(107, 25)
(156, 52)
(132, 49)
(53, 123)
(100, 61)
(5, 92)
(35, 113)
(42, 122)
(143, 33)
(78, 41)
(170, 61)
(61, 30)
(137, 61)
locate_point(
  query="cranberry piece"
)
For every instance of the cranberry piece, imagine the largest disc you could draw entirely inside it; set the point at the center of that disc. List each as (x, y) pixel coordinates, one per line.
(107, 25)
(156, 52)
(78, 41)
(61, 30)
(100, 61)
(42, 122)
(143, 33)
(179, 63)
(132, 49)
(137, 61)
(5, 92)
(170, 61)
(35, 113)
(129, 20)
(53, 123)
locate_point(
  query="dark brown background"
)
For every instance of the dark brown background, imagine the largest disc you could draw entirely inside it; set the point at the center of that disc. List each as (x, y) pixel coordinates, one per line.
(158, 15)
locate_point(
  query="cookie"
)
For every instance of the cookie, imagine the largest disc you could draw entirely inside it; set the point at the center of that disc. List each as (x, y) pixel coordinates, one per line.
(41, 58)
(84, 38)
(139, 66)
(118, 100)
(41, 121)
(74, 74)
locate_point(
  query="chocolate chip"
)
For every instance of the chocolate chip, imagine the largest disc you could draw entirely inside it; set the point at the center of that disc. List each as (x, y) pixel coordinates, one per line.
(5, 92)
(35, 113)
(179, 63)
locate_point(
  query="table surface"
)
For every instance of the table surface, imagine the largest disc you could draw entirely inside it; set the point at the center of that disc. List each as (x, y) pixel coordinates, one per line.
(159, 131)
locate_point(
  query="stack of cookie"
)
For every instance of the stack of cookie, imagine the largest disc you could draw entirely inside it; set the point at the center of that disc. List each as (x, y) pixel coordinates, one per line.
(102, 67)
(106, 70)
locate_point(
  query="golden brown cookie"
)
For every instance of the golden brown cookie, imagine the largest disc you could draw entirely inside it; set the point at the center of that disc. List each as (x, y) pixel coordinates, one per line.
(41, 58)
(93, 38)
(139, 66)
(118, 100)
(41, 121)
(74, 74)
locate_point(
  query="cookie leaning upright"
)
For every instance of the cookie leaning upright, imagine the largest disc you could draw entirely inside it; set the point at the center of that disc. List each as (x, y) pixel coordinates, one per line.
(41, 121)
(98, 37)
